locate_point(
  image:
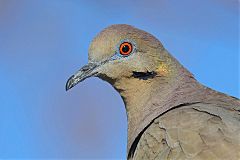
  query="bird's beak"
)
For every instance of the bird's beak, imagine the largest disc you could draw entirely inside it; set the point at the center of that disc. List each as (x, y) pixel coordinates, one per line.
(86, 71)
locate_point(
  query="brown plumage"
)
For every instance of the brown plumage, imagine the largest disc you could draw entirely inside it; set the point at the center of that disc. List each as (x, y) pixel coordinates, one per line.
(170, 114)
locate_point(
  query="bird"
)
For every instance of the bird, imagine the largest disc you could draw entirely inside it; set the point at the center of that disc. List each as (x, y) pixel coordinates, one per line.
(170, 114)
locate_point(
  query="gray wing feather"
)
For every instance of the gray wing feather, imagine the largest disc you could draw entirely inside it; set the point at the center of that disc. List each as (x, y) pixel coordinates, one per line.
(200, 131)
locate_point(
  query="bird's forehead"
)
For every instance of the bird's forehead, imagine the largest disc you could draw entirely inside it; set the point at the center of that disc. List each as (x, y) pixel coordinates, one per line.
(105, 43)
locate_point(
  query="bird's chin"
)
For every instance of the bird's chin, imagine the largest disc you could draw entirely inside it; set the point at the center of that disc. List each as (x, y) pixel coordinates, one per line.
(106, 78)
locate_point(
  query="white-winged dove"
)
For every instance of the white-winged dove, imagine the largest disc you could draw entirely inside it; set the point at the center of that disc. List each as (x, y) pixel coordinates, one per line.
(170, 114)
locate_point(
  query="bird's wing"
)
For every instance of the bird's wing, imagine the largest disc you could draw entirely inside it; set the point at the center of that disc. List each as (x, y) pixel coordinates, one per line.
(200, 131)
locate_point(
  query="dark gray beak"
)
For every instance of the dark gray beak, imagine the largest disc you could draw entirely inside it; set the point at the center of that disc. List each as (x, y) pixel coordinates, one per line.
(86, 71)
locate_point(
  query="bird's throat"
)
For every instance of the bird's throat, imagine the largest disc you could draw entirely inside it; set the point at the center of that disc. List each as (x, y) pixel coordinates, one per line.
(145, 98)
(136, 93)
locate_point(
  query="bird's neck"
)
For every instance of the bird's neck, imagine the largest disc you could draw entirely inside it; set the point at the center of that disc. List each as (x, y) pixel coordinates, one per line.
(146, 99)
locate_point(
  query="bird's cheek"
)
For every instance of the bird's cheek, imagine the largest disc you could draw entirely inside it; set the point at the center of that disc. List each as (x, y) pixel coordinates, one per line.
(112, 73)
(106, 73)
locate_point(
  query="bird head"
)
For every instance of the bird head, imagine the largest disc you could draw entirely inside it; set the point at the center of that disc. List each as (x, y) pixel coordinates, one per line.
(136, 64)
(123, 52)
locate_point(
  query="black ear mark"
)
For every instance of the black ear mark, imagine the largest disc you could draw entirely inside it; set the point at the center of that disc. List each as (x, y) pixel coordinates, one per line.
(144, 75)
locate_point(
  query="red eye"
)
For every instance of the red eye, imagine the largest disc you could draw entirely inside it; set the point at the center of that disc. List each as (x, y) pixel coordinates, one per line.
(125, 48)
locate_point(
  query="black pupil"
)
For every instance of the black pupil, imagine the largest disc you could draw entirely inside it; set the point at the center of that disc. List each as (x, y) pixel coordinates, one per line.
(125, 48)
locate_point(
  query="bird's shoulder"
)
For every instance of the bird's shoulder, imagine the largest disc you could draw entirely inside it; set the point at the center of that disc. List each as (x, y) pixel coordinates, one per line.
(199, 131)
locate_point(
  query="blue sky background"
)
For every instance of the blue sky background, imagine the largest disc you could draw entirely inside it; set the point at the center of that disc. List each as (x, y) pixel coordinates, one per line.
(43, 42)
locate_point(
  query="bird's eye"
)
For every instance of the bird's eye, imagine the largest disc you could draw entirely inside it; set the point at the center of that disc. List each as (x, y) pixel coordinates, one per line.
(125, 48)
